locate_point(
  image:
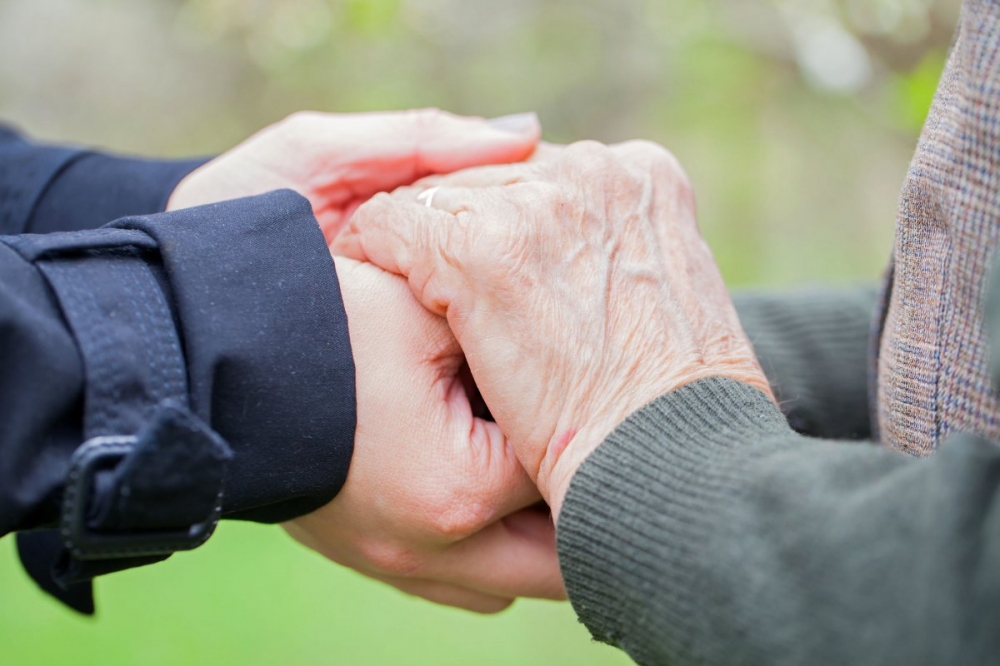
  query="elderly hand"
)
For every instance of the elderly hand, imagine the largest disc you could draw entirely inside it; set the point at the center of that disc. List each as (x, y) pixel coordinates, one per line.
(579, 288)
(436, 503)
(338, 161)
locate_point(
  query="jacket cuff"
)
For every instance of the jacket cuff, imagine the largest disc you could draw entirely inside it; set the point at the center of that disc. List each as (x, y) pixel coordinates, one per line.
(268, 354)
(93, 189)
(145, 476)
(248, 290)
(641, 510)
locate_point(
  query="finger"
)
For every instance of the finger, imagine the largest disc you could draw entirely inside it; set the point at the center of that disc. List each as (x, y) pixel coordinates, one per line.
(640, 151)
(489, 482)
(449, 595)
(446, 197)
(514, 557)
(403, 147)
(680, 240)
(420, 243)
(476, 177)
(501, 487)
(450, 143)
(647, 157)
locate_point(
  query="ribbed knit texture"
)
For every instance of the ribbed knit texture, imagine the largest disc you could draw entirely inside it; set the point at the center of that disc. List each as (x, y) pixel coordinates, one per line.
(634, 520)
(813, 346)
(705, 531)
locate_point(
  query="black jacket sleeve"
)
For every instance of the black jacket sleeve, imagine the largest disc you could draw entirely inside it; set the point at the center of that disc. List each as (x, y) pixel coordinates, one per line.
(212, 338)
(56, 188)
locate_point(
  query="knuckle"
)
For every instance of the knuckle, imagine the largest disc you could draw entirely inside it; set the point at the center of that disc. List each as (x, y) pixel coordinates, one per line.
(597, 164)
(645, 147)
(459, 518)
(651, 153)
(661, 164)
(670, 172)
(380, 200)
(587, 152)
(670, 164)
(371, 210)
(391, 559)
(685, 190)
(301, 118)
(666, 162)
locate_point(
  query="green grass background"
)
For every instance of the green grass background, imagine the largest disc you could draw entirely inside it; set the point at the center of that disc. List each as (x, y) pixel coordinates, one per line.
(252, 596)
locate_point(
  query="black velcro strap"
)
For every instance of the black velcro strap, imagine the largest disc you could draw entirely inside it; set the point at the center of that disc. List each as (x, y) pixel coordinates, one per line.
(152, 494)
(148, 480)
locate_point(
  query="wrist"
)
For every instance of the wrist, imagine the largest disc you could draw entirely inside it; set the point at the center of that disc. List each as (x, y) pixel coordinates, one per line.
(554, 485)
(568, 450)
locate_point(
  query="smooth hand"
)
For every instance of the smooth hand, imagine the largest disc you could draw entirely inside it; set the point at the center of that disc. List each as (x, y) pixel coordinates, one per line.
(436, 503)
(579, 287)
(338, 161)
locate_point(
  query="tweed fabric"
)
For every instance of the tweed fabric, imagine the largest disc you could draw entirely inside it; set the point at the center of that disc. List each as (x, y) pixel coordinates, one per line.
(932, 363)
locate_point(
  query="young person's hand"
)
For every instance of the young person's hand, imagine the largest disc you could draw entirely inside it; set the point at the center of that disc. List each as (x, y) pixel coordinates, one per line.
(338, 161)
(436, 502)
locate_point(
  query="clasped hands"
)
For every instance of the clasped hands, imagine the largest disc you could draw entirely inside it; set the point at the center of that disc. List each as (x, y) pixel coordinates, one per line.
(501, 328)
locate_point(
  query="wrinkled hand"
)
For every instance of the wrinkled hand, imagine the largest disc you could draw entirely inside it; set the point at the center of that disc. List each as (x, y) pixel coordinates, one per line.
(338, 161)
(579, 287)
(436, 502)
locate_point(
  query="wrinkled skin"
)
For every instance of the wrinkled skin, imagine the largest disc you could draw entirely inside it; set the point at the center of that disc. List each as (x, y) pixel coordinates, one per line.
(435, 503)
(338, 161)
(578, 286)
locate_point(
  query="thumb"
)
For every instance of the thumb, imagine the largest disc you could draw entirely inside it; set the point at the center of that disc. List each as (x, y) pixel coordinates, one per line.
(401, 147)
(384, 151)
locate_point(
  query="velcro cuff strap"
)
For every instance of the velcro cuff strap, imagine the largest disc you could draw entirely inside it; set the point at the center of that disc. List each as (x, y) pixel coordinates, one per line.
(148, 479)
(152, 494)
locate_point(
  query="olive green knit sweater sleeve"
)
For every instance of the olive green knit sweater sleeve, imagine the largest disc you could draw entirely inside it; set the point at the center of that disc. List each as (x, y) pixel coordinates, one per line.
(704, 530)
(813, 347)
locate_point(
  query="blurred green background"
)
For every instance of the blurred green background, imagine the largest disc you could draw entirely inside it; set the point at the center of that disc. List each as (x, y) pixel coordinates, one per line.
(796, 120)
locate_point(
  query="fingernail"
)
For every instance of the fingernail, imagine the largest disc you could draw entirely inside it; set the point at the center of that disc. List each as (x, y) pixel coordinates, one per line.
(518, 123)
